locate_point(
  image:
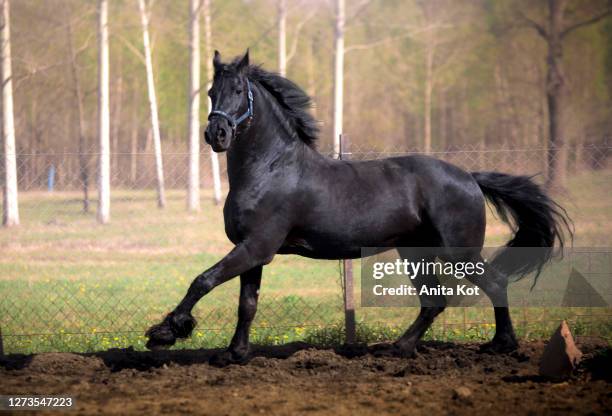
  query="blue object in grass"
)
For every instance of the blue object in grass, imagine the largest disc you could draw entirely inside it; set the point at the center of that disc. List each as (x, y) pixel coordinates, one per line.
(51, 178)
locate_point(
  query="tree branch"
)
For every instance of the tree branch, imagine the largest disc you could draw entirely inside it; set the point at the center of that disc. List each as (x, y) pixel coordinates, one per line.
(41, 70)
(131, 47)
(296, 35)
(375, 43)
(586, 22)
(85, 45)
(386, 40)
(534, 25)
(360, 8)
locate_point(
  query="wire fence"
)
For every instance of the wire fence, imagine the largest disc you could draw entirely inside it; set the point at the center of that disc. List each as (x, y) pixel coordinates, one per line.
(69, 284)
(137, 170)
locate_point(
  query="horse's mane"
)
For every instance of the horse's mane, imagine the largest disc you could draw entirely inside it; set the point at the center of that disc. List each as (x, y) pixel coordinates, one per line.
(292, 100)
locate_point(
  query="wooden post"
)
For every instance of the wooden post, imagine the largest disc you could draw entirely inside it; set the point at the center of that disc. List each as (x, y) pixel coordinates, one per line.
(349, 304)
(347, 269)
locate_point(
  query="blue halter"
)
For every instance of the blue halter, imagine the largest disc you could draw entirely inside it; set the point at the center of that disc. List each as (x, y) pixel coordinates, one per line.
(232, 121)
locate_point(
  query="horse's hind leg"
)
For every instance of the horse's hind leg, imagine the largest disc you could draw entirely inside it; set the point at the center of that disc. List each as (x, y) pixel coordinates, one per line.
(238, 351)
(431, 306)
(495, 286)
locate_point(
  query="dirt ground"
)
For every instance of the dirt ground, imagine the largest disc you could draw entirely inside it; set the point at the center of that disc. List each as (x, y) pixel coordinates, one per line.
(444, 378)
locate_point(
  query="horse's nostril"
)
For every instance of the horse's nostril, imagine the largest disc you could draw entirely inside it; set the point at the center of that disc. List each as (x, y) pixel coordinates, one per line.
(222, 133)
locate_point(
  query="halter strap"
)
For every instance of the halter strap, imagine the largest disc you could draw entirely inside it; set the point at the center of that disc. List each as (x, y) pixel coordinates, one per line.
(247, 114)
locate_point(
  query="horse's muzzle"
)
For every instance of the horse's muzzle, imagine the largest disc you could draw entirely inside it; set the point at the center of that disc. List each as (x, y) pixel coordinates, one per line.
(219, 135)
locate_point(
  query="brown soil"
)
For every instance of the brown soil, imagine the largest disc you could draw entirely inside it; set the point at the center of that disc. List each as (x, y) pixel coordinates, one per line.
(444, 378)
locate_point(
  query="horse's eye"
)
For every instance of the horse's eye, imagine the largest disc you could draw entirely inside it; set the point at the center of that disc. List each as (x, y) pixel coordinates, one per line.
(238, 91)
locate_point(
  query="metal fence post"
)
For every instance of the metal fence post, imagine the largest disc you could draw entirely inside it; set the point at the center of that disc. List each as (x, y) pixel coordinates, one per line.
(347, 269)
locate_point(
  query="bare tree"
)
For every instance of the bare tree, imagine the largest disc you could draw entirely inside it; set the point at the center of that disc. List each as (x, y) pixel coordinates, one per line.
(78, 99)
(430, 51)
(159, 168)
(103, 115)
(284, 56)
(338, 75)
(216, 174)
(436, 17)
(10, 215)
(339, 52)
(554, 31)
(193, 121)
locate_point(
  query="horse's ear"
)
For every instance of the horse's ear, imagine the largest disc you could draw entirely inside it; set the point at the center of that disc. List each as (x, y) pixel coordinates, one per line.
(244, 62)
(217, 60)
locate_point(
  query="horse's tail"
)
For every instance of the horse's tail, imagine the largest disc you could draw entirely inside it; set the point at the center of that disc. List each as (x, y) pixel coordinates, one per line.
(535, 219)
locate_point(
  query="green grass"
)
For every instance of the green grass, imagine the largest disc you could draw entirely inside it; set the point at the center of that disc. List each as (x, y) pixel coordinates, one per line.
(69, 284)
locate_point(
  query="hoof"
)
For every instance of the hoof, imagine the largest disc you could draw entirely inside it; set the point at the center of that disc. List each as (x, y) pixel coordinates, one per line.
(152, 346)
(500, 346)
(227, 357)
(182, 324)
(392, 350)
(160, 337)
(352, 350)
(164, 335)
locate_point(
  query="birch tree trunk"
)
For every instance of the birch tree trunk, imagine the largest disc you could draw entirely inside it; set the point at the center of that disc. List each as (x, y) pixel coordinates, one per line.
(310, 71)
(78, 98)
(193, 122)
(430, 45)
(282, 37)
(443, 120)
(429, 56)
(338, 76)
(209, 76)
(134, 147)
(103, 115)
(10, 214)
(159, 167)
(116, 124)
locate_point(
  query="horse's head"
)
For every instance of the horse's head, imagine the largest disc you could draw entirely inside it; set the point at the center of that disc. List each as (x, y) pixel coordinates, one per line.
(232, 102)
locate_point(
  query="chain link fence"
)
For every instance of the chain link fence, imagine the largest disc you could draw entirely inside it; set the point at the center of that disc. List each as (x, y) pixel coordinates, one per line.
(69, 284)
(137, 170)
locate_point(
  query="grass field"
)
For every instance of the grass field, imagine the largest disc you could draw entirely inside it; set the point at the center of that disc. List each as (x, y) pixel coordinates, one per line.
(68, 284)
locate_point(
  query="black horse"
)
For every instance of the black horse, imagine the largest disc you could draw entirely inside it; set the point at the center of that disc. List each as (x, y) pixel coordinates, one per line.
(286, 198)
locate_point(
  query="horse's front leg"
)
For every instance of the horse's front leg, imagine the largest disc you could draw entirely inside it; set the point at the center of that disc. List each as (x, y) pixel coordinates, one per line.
(179, 323)
(238, 351)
